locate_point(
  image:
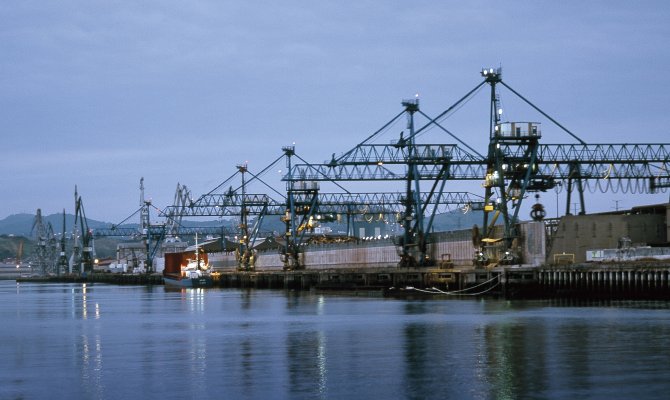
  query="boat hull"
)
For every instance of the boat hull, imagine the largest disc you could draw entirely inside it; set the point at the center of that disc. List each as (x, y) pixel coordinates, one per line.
(183, 282)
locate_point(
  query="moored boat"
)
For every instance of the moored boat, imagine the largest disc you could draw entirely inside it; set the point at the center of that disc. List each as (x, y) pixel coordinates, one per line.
(188, 269)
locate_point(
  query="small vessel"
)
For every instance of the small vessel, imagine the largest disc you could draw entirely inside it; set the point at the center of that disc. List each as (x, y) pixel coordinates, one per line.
(187, 269)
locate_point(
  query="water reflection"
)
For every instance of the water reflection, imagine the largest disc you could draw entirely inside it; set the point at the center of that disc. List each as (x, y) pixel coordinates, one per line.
(516, 358)
(574, 342)
(197, 361)
(122, 342)
(306, 354)
(416, 362)
(91, 365)
(196, 299)
(80, 307)
(89, 341)
(435, 348)
(246, 296)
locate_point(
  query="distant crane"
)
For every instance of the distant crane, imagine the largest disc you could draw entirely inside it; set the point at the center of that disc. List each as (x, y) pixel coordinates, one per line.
(155, 235)
(62, 264)
(19, 254)
(39, 232)
(182, 199)
(45, 247)
(83, 245)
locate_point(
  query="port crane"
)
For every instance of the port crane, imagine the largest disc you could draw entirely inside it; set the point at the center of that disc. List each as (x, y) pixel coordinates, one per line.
(83, 251)
(45, 246)
(233, 203)
(515, 164)
(62, 263)
(153, 235)
(303, 207)
(404, 160)
(49, 250)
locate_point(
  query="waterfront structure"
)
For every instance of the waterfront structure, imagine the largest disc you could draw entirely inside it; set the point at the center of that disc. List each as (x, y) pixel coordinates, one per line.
(575, 235)
(188, 268)
(515, 164)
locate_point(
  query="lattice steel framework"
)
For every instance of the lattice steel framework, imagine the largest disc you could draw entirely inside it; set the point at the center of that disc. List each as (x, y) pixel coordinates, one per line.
(516, 163)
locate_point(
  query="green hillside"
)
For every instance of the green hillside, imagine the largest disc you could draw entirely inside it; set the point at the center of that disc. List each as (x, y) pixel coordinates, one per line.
(22, 224)
(17, 228)
(9, 247)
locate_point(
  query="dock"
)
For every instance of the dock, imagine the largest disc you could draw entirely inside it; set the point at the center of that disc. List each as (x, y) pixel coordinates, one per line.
(114, 279)
(649, 281)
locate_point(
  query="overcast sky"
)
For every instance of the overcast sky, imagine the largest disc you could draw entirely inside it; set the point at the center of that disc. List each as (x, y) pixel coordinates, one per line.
(101, 93)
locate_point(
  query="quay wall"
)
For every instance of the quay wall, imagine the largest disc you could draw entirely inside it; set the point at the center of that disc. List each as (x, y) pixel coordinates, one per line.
(632, 280)
(114, 279)
(363, 280)
(635, 281)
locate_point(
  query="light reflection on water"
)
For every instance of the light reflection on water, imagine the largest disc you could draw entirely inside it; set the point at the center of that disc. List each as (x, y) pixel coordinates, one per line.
(100, 341)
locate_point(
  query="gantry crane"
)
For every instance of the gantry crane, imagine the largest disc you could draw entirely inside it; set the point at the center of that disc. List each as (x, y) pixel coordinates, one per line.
(234, 203)
(405, 160)
(306, 201)
(153, 235)
(514, 165)
(305, 205)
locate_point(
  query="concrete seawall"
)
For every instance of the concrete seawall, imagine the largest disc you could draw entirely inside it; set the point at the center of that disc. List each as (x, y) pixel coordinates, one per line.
(598, 281)
(583, 281)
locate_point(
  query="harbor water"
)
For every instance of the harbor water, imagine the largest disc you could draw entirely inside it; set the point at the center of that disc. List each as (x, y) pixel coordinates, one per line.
(80, 341)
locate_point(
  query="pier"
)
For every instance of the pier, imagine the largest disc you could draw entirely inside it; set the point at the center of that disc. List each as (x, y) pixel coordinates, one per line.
(114, 279)
(596, 281)
(588, 281)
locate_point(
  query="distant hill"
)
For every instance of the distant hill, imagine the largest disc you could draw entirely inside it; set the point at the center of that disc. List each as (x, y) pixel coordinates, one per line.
(9, 247)
(17, 228)
(457, 220)
(22, 224)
